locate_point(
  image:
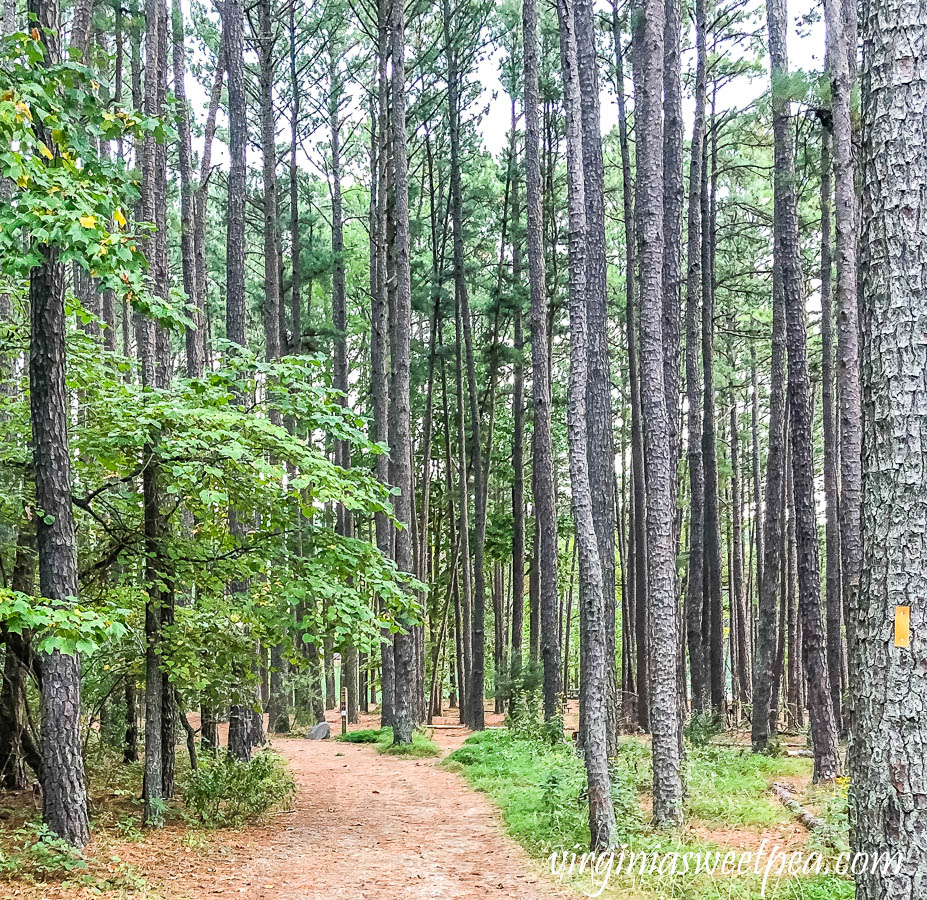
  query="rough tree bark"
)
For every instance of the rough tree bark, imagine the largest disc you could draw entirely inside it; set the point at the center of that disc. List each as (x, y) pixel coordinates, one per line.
(379, 343)
(831, 507)
(841, 59)
(661, 572)
(602, 827)
(740, 672)
(403, 718)
(785, 222)
(698, 674)
(195, 349)
(638, 524)
(712, 610)
(64, 796)
(274, 334)
(601, 447)
(235, 310)
(544, 491)
(889, 688)
(765, 681)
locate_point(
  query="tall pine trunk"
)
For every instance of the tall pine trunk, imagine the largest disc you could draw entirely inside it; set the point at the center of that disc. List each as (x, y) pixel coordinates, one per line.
(401, 451)
(698, 672)
(601, 447)
(889, 686)
(544, 489)
(661, 563)
(602, 825)
(841, 59)
(638, 583)
(832, 601)
(785, 222)
(64, 797)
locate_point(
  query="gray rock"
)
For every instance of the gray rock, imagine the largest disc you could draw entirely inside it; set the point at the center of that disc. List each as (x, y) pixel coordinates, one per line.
(319, 732)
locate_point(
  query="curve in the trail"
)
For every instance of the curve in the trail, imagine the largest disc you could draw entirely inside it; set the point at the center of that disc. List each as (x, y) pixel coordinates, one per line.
(370, 827)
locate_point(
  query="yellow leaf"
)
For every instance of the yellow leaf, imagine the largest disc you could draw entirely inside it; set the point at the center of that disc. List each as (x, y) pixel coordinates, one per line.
(45, 151)
(24, 109)
(88, 221)
(119, 217)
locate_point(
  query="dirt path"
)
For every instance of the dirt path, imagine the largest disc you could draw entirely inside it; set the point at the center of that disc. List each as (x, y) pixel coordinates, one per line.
(370, 826)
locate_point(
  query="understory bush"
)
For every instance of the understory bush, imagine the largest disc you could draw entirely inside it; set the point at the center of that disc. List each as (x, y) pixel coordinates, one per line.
(223, 792)
(39, 853)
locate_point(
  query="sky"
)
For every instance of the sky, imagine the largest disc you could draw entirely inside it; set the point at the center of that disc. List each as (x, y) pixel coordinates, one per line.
(806, 51)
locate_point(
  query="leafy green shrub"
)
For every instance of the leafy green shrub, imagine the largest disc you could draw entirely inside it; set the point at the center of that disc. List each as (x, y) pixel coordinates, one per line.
(39, 853)
(224, 792)
(701, 728)
(523, 691)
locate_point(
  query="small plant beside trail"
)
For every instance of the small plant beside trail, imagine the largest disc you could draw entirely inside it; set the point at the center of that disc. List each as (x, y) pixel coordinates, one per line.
(223, 792)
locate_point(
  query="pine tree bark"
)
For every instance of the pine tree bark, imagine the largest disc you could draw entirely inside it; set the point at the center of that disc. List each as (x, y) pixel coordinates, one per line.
(602, 827)
(698, 674)
(841, 60)
(601, 447)
(235, 309)
(518, 497)
(713, 614)
(638, 526)
(673, 199)
(296, 301)
(661, 572)
(403, 718)
(823, 724)
(64, 795)
(475, 717)
(153, 375)
(544, 490)
(832, 602)
(740, 673)
(379, 343)
(888, 683)
(768, 661)
(202, 191)
(195, 350)
(756, 464)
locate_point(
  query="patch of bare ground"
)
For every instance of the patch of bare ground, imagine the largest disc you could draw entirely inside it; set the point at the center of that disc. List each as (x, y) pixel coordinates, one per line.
(363, 825)
(366, 825)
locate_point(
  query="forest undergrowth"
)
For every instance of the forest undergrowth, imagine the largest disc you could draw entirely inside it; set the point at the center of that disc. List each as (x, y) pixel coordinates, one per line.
(540, 789)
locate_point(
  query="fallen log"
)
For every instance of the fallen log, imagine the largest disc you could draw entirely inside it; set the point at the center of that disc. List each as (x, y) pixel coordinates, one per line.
(804, 815)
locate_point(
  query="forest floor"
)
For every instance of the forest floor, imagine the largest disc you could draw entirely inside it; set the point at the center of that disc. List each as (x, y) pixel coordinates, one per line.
(362, 825)
(372, 826)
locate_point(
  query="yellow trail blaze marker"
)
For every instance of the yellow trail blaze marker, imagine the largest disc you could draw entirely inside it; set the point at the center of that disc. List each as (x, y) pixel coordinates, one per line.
(902, 626)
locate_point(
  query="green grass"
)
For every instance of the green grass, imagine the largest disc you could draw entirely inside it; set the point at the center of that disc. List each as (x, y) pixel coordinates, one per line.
(731, 787)
(538, 788)
(422, 747)
(540, 791)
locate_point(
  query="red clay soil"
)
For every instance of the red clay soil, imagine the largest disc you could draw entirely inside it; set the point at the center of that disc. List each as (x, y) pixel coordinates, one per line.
(365, 825)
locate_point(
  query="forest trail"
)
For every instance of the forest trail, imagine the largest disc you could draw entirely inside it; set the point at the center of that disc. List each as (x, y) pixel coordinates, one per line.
(365, 825)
